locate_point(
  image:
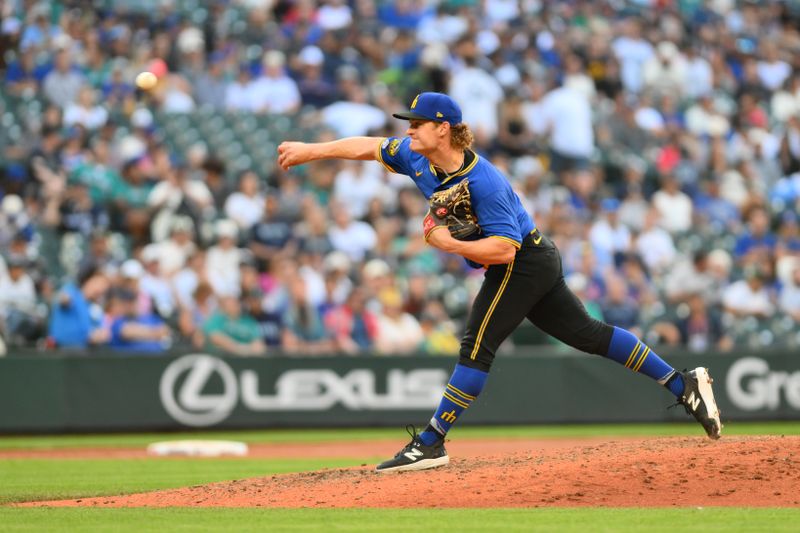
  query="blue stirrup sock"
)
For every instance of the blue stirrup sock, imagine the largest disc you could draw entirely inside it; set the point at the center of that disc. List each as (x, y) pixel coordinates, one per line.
(464, 387)
(631, 352)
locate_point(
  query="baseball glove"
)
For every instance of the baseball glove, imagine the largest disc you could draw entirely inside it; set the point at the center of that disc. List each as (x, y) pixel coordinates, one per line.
(452, 208)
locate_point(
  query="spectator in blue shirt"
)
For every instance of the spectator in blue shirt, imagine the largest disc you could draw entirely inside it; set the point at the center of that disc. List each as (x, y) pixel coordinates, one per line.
(76, 316)
(137, 334)
(757, 238)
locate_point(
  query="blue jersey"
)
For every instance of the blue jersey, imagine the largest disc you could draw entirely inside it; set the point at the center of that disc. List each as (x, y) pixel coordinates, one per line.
(497, 207)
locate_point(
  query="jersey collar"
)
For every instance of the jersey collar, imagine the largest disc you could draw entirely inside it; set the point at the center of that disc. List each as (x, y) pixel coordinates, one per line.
(470, 160)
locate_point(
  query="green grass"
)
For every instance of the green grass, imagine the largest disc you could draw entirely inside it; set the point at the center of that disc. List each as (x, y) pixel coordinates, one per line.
(339, 435)
(44, 479)
(53, 479)
(557, 520)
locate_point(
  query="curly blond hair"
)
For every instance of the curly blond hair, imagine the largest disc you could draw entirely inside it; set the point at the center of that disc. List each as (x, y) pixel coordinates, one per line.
(461, 136)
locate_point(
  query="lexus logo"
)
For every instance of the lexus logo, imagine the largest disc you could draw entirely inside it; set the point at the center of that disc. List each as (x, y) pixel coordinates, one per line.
(188, 404)
(184, 381)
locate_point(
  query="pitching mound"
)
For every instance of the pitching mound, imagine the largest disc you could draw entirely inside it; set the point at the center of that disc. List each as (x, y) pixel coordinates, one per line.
(735, 471)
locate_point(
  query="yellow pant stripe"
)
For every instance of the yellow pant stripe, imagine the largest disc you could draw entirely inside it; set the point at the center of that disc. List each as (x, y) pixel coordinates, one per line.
(456, 400)
(461, 393)
(485, 322)
(630, 357)
(641, 361)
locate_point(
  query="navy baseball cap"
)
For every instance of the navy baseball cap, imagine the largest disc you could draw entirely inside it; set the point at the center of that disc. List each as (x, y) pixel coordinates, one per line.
(433, 106)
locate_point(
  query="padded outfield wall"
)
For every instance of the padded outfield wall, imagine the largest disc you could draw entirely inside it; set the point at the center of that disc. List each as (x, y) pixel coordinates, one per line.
(129, 393)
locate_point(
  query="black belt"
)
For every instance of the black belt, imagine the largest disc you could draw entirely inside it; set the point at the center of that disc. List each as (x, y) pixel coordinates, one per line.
(534, 238)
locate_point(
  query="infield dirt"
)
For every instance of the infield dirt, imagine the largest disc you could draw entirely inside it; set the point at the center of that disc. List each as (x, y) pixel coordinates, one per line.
(735, 471)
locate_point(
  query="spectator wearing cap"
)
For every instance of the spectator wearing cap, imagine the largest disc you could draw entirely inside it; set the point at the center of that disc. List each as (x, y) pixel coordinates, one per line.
(39, 31)
(246, 205)
(716, 211)
(76, 315)
(77, 212)
(315, 89)
(177, 194)
(19, 320)
(154, 284)
(24, 75)
(128, 277)
(130, 211)
(757, 240)
(211, 86)
(99, 255)
(14, 219)
(270, 323)
(97, 173)
(231, 331)
(46, 177)
(213, 176)
(223, 258)
(240, 94)
(117, 92)
(274, 91)
(132, 332)
(398, 332)
(62, 85)
(174, 251)
(272, 235)
(618, 308)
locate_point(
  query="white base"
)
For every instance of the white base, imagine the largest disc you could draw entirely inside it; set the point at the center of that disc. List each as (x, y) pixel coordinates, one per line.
(198, 448)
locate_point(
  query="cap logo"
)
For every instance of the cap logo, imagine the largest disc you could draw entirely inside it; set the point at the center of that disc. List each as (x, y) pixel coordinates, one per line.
(439, 115)
(414, 103)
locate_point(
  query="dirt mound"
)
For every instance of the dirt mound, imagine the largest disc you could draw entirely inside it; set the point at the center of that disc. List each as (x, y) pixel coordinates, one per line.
(738, 471)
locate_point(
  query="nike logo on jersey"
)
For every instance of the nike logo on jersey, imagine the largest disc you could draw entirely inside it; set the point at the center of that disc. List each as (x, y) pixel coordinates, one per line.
(418, 173)
(413, 454)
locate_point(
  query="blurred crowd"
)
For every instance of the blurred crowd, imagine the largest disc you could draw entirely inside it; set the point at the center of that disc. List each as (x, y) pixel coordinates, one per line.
(656, 142)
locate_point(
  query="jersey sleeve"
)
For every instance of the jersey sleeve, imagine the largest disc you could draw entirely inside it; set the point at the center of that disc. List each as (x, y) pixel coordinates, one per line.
(497, 217)
(394, 153)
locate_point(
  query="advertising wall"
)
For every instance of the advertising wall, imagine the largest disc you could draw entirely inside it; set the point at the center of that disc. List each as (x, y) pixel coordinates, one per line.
(116, 393)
